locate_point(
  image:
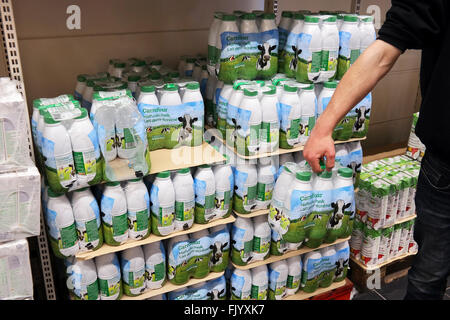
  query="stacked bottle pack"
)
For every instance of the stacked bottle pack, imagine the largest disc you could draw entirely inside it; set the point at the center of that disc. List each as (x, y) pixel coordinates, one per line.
(109, 276)
(143, 269)
(322, 47)
(135, 73)
(19, 195)
(255, 117)
(314, 49)
(309, 209)
(171, 117)
(140, 269)
(311, 47)
(385, 208)
(76, 150)
(287, 277)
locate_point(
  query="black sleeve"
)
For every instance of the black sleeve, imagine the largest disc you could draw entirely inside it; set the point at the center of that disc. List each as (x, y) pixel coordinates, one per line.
(415, 24)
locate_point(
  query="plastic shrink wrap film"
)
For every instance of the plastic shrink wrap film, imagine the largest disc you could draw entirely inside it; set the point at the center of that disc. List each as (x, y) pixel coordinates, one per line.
(14, 145)
(19, 202)
(16, 281)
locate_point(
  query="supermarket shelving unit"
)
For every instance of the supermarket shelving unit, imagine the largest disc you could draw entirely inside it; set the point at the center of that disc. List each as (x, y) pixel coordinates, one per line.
(12, 67)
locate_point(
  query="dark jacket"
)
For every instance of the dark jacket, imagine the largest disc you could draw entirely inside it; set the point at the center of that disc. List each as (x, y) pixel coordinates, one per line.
(423, 24)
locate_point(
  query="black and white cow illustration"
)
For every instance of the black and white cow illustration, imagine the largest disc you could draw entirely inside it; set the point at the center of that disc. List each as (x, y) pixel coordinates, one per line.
(233, 135)
(81, 236)
(302, 130)
(215, 294)
(263, 62)
(356, 168)
(361, 115)
(242, 253)
(275, 223)
(218, 203)
(340, 266)
(186, 131)
(339, 207)
(294, 61)
(165, 130)
(149, 276)
(245, 58)
(217, 253)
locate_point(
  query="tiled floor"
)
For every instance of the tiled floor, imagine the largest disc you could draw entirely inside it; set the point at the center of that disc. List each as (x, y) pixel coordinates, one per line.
(393, 291)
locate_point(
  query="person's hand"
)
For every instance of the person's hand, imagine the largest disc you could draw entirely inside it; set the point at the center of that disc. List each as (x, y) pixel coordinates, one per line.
(317, 147)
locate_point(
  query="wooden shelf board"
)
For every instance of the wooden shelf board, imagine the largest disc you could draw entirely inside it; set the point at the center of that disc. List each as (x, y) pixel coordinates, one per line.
(105, 249)
(168, 287)
(252, 214)
(289, 254)
(301, 295)
(184, 157)
(296, 148)
(402, 220)
(359, 263)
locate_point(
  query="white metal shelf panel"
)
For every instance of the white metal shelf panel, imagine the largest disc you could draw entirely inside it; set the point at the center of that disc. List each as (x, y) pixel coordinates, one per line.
(14, 67)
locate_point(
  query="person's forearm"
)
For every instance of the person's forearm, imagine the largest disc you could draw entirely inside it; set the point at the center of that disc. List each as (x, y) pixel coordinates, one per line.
(357, 82)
